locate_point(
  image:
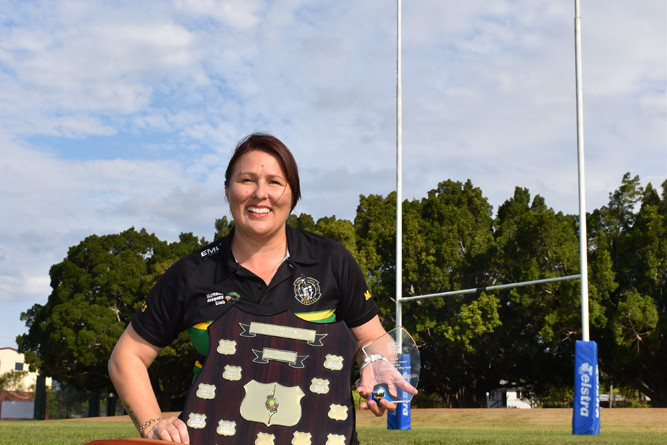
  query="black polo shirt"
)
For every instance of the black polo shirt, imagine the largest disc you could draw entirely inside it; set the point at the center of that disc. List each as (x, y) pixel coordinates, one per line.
(320, 281)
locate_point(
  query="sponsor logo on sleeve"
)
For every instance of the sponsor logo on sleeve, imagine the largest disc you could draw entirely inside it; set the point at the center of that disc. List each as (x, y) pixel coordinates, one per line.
(210, 251)
(219, 298)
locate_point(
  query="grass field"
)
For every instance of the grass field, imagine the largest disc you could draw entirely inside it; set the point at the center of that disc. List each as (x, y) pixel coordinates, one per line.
(429, 427)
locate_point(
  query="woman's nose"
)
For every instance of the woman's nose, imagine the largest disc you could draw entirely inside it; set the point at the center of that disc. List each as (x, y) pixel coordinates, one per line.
(260, 190)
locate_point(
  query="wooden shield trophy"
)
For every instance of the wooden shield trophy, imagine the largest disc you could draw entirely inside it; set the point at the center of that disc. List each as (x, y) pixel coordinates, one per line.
(273, 379)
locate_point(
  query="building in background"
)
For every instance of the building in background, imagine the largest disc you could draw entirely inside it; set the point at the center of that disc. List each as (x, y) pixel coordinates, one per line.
(13, 360)
(16, 399)
(507, 398)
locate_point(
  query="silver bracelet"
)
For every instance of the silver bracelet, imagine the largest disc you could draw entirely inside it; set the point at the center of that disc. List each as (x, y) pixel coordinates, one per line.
(148, 423)
(372, 358)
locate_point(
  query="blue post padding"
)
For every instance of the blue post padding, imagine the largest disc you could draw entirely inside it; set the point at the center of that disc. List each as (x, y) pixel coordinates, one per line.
(586, 415)
(399, 419)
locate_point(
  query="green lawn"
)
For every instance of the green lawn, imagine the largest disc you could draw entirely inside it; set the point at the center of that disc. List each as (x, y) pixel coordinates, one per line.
(54, 432)
(430, 427)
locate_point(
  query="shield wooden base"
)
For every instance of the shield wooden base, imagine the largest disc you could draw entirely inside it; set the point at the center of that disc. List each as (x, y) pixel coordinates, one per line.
(273, 379)
(127, 442)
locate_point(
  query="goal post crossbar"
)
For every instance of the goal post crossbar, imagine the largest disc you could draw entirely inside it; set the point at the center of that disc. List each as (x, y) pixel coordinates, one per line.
(488, 288)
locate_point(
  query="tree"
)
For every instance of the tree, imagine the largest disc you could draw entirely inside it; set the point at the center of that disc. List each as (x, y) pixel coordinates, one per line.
(222, 227)
(12, 381)
(340, 230)
(95, 291)
(469, 342)
(445, 238)
(633, 229)
(303, 222)
(534, 347)
(66, 401)
(375, 227)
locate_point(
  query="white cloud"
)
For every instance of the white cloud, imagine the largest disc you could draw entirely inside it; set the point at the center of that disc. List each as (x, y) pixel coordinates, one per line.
(488, 95)
(23, 287)
(240, 14)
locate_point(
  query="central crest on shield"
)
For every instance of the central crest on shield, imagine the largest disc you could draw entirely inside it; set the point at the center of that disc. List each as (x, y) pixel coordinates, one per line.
(271, 404)
(262, 399)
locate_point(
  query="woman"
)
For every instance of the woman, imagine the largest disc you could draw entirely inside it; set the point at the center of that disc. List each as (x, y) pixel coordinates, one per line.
(257, 265)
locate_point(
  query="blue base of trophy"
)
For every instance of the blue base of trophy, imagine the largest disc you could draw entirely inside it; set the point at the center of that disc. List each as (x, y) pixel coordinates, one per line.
(399, 419)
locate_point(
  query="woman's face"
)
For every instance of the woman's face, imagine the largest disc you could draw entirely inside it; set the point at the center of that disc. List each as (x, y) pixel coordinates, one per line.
(259, 196)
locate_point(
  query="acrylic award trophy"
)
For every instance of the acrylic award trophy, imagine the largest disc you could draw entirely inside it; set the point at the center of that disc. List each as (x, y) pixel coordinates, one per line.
(393, 360)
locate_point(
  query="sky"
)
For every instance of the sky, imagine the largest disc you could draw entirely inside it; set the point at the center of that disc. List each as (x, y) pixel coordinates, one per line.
(124, 114)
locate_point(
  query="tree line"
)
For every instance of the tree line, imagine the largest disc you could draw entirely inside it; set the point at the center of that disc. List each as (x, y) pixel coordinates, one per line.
(470, 344)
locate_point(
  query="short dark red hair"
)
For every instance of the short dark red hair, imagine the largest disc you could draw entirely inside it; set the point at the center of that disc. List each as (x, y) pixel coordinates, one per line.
(273, 146)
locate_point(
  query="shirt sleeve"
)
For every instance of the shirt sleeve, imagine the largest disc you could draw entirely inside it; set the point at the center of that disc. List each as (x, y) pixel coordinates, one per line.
(160, 317)
(357, 305)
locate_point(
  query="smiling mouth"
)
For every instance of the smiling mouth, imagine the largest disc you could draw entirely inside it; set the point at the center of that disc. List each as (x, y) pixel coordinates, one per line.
(262, 210)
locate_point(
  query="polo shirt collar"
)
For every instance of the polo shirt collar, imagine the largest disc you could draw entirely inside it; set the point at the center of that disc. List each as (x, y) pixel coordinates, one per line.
(226, 265)
(300, 252)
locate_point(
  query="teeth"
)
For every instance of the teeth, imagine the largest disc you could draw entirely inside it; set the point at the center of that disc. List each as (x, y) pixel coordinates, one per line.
(259, 210)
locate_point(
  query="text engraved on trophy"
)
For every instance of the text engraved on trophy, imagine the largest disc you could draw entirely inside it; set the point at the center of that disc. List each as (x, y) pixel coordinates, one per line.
(393, 348)
(335, 439)
(254, 328)
(196, 421)
(205, 391)
(338, 412)
(333, 362)
(226, 347)
(232, 373)
(226, 428)
(319, 386)
(279, 355)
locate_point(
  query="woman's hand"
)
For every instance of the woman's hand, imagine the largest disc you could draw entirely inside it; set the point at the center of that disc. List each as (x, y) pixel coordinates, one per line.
(381, 372)
(378, 372)
(171, 429)
(128, 369)
(365, 389)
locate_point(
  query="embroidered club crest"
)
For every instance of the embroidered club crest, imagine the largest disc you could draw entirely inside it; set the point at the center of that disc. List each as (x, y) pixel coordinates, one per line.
(307, 290)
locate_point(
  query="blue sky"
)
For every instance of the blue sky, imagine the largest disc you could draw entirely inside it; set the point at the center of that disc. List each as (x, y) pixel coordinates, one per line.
(121, 114)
